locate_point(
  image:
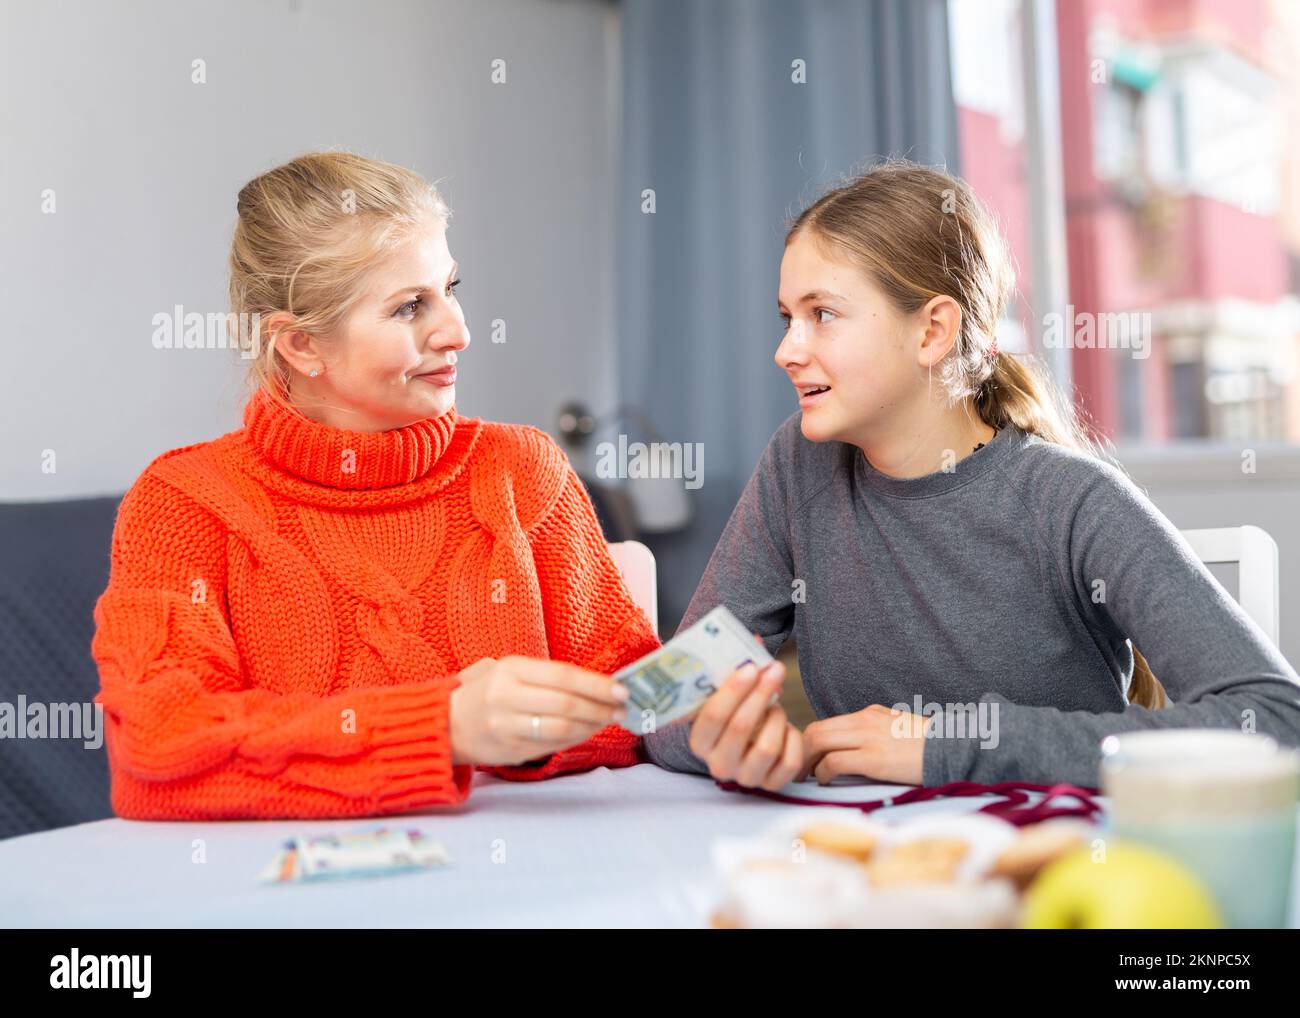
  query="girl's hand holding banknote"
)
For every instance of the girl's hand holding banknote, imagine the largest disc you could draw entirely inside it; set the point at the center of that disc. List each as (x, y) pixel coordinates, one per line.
(743, 736)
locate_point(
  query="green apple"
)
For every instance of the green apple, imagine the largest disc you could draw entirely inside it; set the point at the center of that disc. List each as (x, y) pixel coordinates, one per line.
(1127, 886)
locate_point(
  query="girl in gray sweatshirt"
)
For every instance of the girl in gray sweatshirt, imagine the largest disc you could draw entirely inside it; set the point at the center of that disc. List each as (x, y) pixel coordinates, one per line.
(941, 535)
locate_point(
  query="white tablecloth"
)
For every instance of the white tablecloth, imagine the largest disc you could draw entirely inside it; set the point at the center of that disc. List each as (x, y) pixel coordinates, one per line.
(626, 847)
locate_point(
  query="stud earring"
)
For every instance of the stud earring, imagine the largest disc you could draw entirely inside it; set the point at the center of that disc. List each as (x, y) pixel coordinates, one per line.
(313, 372)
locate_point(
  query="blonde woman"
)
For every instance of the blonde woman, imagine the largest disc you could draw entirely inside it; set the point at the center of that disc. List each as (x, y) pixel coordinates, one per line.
(942, 536)
(347, 605)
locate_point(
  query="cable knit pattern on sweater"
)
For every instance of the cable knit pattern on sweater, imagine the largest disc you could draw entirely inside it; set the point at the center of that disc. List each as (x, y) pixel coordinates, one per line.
(289, 604)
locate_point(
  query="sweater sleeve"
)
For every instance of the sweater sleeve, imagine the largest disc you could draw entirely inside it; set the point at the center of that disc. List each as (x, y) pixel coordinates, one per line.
(1132, 577)
(751, 571)
(188, 737)
(591, 621)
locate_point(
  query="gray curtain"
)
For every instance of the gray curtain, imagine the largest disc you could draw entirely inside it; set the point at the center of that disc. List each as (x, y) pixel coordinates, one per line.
(732, 148)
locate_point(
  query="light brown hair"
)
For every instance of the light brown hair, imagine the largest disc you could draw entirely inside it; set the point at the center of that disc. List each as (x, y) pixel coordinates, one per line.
(918, 232)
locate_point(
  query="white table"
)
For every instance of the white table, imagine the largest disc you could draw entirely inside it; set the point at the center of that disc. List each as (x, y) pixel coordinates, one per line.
(614, 848)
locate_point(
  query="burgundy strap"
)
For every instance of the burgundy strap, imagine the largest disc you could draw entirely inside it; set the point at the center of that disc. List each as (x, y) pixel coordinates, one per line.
(1011, 808)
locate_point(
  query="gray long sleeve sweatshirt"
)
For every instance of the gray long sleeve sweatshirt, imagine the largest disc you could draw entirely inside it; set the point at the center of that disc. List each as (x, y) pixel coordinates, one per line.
(1003, 596)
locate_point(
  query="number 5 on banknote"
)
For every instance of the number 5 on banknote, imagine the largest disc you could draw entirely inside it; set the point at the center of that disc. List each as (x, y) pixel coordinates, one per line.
(673, 681)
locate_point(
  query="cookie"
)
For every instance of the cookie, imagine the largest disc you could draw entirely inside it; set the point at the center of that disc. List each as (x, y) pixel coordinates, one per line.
(1035, 847)
(920, 861)
(839, 839)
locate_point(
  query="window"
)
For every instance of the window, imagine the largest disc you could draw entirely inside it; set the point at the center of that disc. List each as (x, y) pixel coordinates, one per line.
(1177, 126)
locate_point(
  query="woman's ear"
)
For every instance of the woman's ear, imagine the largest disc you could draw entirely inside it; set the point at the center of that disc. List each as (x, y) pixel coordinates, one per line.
(941, 320)
(296, 348)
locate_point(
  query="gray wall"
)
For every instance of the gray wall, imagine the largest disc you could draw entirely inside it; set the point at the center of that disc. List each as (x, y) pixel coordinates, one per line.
(97, 104)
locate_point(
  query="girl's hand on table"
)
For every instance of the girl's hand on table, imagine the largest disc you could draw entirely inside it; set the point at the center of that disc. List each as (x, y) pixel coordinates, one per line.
(878, 742)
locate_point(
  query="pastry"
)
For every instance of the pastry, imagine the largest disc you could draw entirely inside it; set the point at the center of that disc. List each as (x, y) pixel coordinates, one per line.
(1036, 846)
(921, 860)
(839, 839)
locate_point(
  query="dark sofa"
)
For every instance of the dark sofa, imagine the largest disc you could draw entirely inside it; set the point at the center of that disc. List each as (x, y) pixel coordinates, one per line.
(53, 567)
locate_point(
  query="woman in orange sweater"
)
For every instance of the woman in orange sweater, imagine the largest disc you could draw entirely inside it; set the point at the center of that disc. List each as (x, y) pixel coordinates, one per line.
(345, 606)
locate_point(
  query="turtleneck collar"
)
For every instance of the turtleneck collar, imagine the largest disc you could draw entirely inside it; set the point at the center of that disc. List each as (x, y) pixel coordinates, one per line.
(339, 458)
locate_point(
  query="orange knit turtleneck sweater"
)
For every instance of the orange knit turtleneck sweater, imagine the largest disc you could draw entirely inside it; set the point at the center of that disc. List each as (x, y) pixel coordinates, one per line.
(289, 604)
